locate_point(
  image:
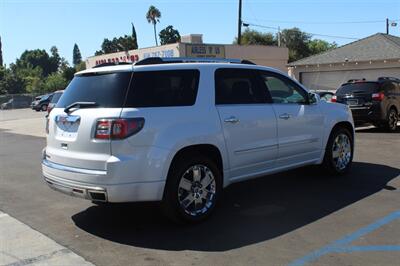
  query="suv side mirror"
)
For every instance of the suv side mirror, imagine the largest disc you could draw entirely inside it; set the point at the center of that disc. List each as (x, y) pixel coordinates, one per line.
(313, 98)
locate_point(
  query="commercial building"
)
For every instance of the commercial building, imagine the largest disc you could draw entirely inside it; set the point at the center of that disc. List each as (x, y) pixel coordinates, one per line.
(372, 57)
(193, 46)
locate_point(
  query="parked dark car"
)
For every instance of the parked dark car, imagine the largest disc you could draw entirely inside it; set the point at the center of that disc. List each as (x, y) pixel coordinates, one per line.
(325, 95)
(54, 100)
(42, 103)
(15, 103)
(376, 102)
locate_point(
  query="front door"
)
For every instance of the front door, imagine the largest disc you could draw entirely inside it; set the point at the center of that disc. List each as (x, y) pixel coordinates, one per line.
(300, 124)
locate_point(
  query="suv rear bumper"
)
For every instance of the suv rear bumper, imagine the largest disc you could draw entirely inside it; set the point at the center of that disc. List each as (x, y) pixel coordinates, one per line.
(367, 114)
(120, 192)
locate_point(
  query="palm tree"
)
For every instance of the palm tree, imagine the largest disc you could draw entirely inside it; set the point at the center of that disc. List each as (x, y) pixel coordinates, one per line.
(153, 16)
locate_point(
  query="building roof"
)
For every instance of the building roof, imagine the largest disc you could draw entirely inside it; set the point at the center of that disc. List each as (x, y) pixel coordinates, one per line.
(375, 47)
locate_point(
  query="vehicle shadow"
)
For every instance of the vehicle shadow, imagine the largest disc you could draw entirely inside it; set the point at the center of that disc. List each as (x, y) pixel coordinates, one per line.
(250, 212)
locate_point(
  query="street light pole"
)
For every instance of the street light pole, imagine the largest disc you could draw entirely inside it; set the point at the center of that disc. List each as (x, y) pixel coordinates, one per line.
(239, 38)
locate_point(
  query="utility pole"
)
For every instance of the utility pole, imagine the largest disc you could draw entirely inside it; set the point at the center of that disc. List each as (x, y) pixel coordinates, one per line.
(387, 26)
(279, 36)
(239, 38)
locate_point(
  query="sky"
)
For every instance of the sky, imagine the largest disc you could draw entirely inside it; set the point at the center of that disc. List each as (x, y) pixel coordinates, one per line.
(27, 25)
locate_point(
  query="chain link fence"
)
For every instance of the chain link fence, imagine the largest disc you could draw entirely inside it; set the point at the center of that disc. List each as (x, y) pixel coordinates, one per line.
(16, 101)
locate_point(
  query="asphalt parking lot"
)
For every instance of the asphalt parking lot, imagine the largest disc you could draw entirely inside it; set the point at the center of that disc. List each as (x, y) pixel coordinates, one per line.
(301, 217)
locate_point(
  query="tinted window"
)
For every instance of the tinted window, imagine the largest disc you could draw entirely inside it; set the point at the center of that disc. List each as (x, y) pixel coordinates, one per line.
(362, 87)
(163, 88)
(56, 97)
(283, 90)
(107, 90)
(238, 86)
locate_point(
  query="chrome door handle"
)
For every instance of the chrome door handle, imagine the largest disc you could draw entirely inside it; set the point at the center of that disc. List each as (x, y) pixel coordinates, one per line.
(232, 120)
(285, 116)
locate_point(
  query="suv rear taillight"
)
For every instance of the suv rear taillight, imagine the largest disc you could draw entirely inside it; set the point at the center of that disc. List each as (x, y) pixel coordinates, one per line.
(378, 96)
(334, 99)
(118, 128)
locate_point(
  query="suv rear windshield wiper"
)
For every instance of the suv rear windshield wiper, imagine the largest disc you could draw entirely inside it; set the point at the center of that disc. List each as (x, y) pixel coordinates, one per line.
(79, 105)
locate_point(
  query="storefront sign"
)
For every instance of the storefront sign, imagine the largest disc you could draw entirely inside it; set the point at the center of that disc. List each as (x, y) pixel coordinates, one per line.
(205, 50)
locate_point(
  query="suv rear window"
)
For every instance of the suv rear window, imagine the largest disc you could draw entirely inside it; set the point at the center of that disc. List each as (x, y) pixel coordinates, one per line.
(362, 87)
(163, 88)
(106, 89)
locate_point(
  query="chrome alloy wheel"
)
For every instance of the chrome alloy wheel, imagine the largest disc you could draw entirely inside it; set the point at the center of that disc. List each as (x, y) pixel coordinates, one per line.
(341, 151)
(392, 120)
(197, 189)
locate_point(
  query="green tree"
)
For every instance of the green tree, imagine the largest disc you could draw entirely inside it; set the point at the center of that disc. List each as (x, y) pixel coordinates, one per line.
(32, 78)
(120, 44)
(250, 37)
(9, 82)
(76, 55)
(153, 16)
(55, 57)
(318, 46)
(1, 54)
(134, 37)
(297, 43)
(169, 35)
(80, 67)
(54, 82)
(66, 70)
(37, 58)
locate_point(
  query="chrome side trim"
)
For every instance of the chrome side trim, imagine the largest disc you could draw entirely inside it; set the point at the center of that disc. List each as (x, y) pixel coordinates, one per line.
(61, 167)
(298, 142)
(262, 148)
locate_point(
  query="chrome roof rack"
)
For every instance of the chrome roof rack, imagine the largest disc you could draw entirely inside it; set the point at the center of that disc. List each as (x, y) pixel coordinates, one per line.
(112, 64)
(389, 78)
(170, 60)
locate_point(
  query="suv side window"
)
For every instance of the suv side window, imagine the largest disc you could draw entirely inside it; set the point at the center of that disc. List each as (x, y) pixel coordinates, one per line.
(238, 86)
(163, 88)
(283, 90)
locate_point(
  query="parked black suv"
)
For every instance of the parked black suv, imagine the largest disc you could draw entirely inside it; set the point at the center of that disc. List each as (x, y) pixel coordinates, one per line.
(376, 102)
(42, 103)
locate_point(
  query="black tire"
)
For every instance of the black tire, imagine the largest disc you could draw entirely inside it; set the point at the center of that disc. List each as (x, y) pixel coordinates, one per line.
(391, 121)
(330, 163)
(43, 107)
(171, 204)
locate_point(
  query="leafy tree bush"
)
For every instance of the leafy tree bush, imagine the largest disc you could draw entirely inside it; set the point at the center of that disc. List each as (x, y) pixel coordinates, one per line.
(169, 35)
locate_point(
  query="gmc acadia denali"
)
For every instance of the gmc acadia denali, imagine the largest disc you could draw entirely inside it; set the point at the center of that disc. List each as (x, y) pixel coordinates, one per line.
(180, 130)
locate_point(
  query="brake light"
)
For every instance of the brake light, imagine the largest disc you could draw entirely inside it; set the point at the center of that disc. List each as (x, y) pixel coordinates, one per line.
(378, 96)
(118, 128)
(334, 98)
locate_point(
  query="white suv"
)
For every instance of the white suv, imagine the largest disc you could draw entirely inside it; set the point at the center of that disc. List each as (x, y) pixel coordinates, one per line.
(179, 132)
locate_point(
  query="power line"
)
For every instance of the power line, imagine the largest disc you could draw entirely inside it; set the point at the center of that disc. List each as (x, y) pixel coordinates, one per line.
(314, 34)
(326, 22)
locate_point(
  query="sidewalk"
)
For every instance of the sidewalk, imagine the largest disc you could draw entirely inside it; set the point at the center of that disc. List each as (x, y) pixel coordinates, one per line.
(21, 245)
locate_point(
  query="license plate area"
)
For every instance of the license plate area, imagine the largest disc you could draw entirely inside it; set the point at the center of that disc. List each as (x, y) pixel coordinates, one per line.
(67, 127)
(352, 102)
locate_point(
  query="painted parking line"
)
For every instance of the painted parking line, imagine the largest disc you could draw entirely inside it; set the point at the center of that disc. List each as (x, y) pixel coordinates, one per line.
(342, 245)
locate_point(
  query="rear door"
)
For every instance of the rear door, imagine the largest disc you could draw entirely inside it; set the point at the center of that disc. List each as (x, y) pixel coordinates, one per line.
(300, 124)
(70, 139)
(248, 121)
